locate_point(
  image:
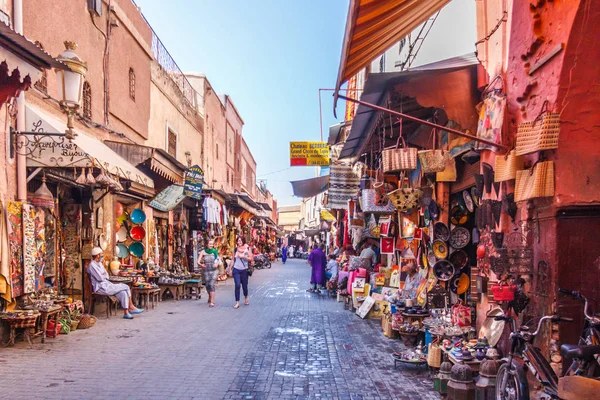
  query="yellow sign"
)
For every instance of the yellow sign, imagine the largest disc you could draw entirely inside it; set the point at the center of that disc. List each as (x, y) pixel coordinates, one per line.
(309, 154)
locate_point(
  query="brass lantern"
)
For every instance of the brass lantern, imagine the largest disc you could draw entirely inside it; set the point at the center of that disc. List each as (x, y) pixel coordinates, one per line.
(70, 84)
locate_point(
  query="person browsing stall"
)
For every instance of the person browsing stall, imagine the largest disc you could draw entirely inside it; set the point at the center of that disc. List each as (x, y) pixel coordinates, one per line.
(101, 285)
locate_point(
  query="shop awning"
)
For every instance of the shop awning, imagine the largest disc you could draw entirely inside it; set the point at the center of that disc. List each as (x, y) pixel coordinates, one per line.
(265, 206)
(377, 88)
(84, 151)
(373, 26)
(157, 160)
(310, 187)
(244, 202)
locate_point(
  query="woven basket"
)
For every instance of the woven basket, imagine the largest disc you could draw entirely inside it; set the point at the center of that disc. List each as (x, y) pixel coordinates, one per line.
(404, 159)
(405, 199)
(540, 134)
(449, 172)
(434, 356)
(368, 204)
(536, 182)
(86, 321)
(507, 166)
(433, 160)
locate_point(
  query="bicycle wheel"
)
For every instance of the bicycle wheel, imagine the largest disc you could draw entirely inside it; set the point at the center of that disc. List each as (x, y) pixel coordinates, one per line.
(508, 386)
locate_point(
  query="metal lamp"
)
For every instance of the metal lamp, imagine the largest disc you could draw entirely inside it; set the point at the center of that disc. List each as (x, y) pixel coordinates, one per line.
(70, 84)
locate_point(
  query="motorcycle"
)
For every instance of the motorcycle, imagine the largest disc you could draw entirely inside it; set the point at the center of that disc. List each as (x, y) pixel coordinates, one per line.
(262, 261)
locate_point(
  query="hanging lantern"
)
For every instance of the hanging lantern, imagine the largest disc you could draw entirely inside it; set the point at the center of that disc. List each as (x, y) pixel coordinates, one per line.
(43, 196)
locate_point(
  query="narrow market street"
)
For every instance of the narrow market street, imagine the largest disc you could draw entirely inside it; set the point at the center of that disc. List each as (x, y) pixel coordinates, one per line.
(287, 344)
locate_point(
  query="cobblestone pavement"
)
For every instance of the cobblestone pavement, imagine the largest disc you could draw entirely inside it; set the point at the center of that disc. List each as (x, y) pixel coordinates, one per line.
(288, 344)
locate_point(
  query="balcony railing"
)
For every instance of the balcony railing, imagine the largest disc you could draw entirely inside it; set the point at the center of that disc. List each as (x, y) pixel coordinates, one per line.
(164, 59)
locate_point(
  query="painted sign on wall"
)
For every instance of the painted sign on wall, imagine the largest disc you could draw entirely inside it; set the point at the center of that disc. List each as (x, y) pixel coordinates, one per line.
(194, 178)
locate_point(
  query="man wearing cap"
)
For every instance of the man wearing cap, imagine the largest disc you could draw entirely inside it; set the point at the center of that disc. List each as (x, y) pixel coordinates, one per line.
(101, 285)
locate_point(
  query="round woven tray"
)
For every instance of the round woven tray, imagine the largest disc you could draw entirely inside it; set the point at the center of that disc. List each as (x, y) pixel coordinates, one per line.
(86, 321)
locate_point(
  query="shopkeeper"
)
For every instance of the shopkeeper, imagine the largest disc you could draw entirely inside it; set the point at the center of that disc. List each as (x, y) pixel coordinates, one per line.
(412, 281)
(101, 285)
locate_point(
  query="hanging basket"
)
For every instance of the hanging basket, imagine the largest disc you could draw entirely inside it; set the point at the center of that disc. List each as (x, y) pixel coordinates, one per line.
(399, 159)
(433, 160)
(539, 134)
(507, 166)
(405, 199)
(536, 182)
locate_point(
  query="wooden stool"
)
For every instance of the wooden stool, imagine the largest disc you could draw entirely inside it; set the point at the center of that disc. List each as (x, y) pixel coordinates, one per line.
(103, 298)
(141, 295)
(192, 288)
(154, 295)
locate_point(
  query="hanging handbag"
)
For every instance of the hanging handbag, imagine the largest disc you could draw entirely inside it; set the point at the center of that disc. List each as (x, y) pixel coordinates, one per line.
(399, 159)
(507, 166)
(503, 291)
(433, 160)
(461, 315)
(405, 198)
(449, 172)
(369, 203)
(539, 134)
(535, 182)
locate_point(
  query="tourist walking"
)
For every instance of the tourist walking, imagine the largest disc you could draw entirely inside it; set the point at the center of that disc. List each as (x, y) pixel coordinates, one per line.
(242, 257)
(284, 250)
(317, 261)
(208, 261)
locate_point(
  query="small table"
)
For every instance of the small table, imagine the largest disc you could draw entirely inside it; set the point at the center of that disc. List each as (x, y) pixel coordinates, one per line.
(144, 296)
(45, 316)
(176, 289)
(26, 321)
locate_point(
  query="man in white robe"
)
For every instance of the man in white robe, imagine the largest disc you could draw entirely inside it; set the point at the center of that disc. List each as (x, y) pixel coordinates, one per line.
(101, 285)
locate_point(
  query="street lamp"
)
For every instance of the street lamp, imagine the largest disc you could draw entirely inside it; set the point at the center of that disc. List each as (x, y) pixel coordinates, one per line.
(70, 84)
(70, 89)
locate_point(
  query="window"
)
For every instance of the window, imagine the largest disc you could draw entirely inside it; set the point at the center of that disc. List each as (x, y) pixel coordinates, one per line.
(87, 100)
(171, 143)
(42, 83)
(228, 177)
(131, 84)
(217, 150)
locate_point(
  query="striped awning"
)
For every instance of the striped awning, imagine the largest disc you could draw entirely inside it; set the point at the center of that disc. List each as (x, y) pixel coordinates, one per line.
(373, 26)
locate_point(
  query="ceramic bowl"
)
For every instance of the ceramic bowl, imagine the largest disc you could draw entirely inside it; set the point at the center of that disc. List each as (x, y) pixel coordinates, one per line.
(137, 233)
(137, 249)
(137, 216)
(122, 251)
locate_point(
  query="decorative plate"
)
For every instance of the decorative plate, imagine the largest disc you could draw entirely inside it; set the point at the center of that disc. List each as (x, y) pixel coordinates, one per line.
(459, 259)
(137, 233)
(102, 242)
(475, 196)
(122, 234)
(463, 284)
(138, 216)
(459, 216)
(468, 200)
(459, 237)
(441, 231)
(431, 260)
(443, 270)
(454, 283)
(122, 251)
(440, 249)
(137, 249)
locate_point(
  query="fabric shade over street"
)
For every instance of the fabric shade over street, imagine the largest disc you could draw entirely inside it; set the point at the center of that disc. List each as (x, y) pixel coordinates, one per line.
(327, 216)
(432, 85)
(373, 26)
(84, 151)
(310, 187)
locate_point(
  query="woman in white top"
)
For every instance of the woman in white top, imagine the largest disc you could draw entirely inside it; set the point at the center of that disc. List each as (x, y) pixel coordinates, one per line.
(242, 257)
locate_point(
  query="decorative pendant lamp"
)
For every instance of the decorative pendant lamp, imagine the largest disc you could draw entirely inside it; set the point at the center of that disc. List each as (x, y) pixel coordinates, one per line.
(43, 196)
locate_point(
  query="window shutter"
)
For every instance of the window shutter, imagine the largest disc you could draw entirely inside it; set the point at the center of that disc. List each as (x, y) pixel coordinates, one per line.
(95, 6)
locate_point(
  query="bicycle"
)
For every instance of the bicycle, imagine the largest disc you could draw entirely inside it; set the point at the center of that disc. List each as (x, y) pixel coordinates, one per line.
(511, 380)
(590, 336)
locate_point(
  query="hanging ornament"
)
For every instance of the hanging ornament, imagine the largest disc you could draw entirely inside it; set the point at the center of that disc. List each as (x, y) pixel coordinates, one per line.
(43, 196)
(90, 177)
(81, 179)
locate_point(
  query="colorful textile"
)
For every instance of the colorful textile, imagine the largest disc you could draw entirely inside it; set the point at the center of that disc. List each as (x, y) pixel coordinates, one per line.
(457, 145)
(5, 276)
(29, 249)
(491, 118)
(71, 240)
(15, 240)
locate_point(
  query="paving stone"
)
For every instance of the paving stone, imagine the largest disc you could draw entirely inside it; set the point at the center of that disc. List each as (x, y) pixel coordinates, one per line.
(288, 344)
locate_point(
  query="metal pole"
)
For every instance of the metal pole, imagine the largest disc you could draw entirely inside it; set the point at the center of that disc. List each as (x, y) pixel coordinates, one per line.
(424, 122)
(21, 158)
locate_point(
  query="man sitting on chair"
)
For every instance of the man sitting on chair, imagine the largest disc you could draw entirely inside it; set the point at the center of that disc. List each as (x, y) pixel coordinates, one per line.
(101, 285)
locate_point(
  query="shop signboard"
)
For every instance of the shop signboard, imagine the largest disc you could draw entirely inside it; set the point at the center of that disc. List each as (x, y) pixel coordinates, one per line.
(194, 178)
(168, 199)
(309, 154)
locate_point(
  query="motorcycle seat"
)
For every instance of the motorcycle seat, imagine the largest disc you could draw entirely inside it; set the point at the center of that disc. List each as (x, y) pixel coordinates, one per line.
(581, 352)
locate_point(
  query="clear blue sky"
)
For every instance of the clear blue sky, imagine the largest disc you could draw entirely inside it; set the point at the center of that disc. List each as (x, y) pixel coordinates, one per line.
(271, 57)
